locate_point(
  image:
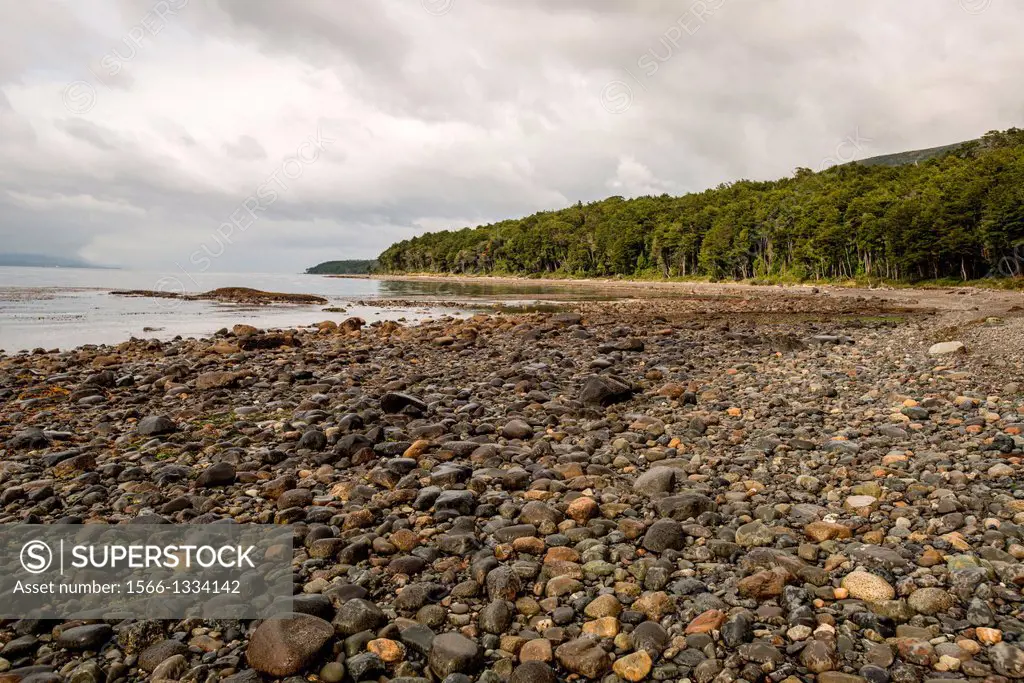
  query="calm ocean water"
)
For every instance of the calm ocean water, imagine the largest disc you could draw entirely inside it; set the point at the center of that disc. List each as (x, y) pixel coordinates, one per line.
(68, 307)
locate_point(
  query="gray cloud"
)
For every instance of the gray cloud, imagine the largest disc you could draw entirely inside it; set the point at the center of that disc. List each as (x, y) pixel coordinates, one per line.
(96, 135)
(246, 147)
(144, 146)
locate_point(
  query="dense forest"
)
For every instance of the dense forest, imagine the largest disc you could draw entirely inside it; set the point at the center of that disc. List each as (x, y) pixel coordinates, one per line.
(960, 215)
(342, 268)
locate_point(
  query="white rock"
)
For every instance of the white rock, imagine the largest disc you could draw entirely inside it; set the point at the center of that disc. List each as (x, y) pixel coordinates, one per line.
(857, 502)
(942, 348)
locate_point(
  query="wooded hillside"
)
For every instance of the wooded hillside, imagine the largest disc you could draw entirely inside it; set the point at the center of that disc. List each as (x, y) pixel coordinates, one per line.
(959, 215)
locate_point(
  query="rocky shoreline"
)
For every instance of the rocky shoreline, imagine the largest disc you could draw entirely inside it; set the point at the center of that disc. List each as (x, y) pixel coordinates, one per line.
(715, 489)
(233, 295)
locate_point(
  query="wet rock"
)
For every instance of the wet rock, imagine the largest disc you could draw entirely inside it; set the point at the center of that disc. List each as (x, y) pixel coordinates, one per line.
(365, 666)
(418, 638)
(358, 615)
(754, 534)
(285, 645)
(29, 438)
(496, 617)
(218, 474)
(396, 402)
(313, 439)
(451, 653)
(517, 429)
(605, 391)
(656, 480)
(170, 669)
(218, 380)
(536, 650)
(762, 585)
(650, 636)
(930, 601)
(257, 342)
(1007, 660)
(633, 667)
(156, 653)
(839, 677)
(89, 637)
(737, 630)
(533, 672)
(583, 656)
(155, 425)
(818, 656)
(665, 534)
(685, 506)
(503, 584)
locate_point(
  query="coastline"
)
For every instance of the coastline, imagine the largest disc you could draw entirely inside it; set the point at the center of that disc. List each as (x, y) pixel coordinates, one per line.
(994, 301)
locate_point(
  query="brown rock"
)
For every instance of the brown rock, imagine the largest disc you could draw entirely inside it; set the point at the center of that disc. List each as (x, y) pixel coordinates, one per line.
(654, 605)
(416, 449)
(533, 672)
(537, 650)
(839, 677)
(826, 531)
(584, 656)
(561, 553)
(916, 651)
(603, 606)
(388, 650)
(218, 380)
(605, 627)
(930, 558)
(224, 348)
(764, 584)
(632, 528)
(707, 621)
(529, 544)
(350, 325)
(583, 509)
(988, 636)
(512, 644)
(405, 540)
(75, 466)
(672, 390)
(633, 667)
(285, 645)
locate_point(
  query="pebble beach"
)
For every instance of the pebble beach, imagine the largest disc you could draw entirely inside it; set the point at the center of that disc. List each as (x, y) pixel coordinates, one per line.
(754, 484)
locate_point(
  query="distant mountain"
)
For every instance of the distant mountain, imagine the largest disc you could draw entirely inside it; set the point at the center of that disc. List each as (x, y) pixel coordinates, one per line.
(352, 267)
(44, 261)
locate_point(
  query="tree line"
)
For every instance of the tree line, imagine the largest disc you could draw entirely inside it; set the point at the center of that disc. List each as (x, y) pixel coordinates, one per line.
(350, 267)
(958, 216)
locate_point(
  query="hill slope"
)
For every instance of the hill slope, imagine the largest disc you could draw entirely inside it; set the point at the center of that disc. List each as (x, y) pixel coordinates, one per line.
(957, 212)
(914, 156)
(351, 267)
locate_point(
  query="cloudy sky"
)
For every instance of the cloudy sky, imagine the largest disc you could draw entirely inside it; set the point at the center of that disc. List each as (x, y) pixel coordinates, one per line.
(268, 136)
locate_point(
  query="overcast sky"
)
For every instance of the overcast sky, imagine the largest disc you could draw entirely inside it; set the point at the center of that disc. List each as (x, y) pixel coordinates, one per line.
(269, 136)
